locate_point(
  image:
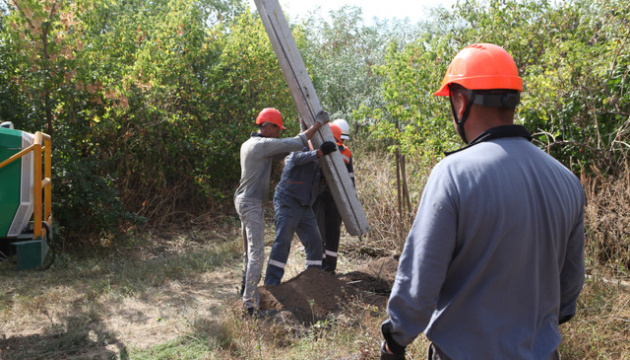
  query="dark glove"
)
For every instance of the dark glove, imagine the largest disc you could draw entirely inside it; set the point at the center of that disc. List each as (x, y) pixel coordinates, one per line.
(322, 117)
(387, 356)
(398, 351)
(327, 147)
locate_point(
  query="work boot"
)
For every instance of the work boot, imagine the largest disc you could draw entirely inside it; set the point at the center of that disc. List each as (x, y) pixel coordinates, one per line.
(329, 264)
(257, 313)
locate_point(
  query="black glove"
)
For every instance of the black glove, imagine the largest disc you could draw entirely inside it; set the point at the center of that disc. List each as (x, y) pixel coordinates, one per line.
(327, 147)
(322, 117)
(398, 351)
(387, 356)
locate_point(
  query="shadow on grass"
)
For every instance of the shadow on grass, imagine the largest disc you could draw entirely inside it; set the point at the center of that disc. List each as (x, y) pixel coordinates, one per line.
(123, 272)
(98, 285)
(74, 337)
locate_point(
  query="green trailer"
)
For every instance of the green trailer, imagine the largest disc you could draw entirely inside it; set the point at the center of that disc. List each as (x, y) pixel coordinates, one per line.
(25, 191)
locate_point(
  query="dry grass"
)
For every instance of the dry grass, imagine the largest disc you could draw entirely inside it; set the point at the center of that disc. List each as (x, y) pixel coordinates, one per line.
(607, 218)
(601, 329)
(377, 188)
(111, 305)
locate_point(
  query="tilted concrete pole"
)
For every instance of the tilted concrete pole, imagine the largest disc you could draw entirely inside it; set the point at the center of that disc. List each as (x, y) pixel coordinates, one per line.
(308, 106)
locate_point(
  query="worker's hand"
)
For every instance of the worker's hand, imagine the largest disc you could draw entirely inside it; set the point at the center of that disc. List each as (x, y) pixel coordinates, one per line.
(387, 355)
(390, 349)
(327, 147)
(322, 118)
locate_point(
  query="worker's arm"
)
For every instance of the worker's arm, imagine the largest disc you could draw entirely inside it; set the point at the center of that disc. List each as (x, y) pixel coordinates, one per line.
(572, 273)
(423, 265)
(303, 157)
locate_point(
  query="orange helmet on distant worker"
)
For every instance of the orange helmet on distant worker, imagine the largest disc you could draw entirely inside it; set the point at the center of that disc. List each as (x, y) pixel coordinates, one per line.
(482, 67)
(336, 130)
(270, 115)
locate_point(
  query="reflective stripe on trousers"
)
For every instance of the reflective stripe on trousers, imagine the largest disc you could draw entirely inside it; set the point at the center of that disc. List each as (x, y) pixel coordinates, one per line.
(329, 223)
(293, 218)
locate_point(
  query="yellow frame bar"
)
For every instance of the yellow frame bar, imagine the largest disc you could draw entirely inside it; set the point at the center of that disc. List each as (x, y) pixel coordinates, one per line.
(39, 183)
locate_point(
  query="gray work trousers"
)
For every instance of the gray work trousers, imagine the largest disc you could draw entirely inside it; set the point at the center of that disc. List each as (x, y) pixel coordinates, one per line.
(250, 211)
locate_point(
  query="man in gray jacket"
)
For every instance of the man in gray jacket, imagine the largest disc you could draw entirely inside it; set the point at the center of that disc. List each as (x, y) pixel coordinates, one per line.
(494, 260)
(256, 156)
(293, 203)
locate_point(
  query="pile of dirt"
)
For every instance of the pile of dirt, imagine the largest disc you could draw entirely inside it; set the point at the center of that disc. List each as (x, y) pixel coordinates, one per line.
(374, 277)
(315, 294)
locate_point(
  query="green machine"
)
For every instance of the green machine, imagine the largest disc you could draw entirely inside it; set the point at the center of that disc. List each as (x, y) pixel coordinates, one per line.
(25, 204)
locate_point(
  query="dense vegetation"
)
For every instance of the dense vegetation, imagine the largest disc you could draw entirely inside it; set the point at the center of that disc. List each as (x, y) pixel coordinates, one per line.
(148, 102)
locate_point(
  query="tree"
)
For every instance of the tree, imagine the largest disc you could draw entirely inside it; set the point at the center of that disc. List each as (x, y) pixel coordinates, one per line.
(572, 56)
(343, 55)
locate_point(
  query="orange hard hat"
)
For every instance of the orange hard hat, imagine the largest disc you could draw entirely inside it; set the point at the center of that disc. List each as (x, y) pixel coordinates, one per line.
(270, 115)
(482, 67)
(336, 130)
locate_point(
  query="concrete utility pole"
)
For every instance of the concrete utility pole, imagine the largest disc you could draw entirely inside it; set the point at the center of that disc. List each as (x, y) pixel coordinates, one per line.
(308, 105)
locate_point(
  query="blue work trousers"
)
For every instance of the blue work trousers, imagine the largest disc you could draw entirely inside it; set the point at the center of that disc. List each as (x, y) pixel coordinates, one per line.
(292, 218)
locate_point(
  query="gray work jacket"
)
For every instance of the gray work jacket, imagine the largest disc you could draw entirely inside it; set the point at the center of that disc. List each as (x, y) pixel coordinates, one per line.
(257, 154)
(495, 257)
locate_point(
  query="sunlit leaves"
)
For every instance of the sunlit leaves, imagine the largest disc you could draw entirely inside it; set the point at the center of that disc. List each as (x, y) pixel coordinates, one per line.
(572, 56)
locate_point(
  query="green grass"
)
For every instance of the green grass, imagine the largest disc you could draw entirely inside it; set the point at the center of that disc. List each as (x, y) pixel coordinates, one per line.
(186, 348)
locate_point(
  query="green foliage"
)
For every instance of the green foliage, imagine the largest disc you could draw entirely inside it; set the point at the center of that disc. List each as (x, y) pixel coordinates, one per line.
(12, 102)
(343, 55)
(415, 120)
(567, 54)
(573, 57)
(147, 102)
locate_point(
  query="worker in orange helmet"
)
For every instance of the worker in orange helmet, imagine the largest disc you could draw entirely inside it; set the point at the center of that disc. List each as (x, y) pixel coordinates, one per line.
(494, 260)
(328, 216)
(256, 157)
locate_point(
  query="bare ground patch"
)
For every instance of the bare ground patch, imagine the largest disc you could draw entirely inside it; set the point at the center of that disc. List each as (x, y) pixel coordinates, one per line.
(102, 309)
(109, 308)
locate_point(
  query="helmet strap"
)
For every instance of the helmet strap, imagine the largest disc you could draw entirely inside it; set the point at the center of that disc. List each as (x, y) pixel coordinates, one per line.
(507, 100)
(460, 122)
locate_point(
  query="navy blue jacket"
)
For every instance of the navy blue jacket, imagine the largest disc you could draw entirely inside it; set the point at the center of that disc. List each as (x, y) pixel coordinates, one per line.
(300, 178)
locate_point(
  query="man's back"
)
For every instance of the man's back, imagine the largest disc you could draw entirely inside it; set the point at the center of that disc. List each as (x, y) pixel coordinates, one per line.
(495, 225)
(300, 178)
(256, 156)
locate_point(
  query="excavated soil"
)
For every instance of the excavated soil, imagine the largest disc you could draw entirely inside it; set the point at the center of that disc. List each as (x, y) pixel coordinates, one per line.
(315, 294)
